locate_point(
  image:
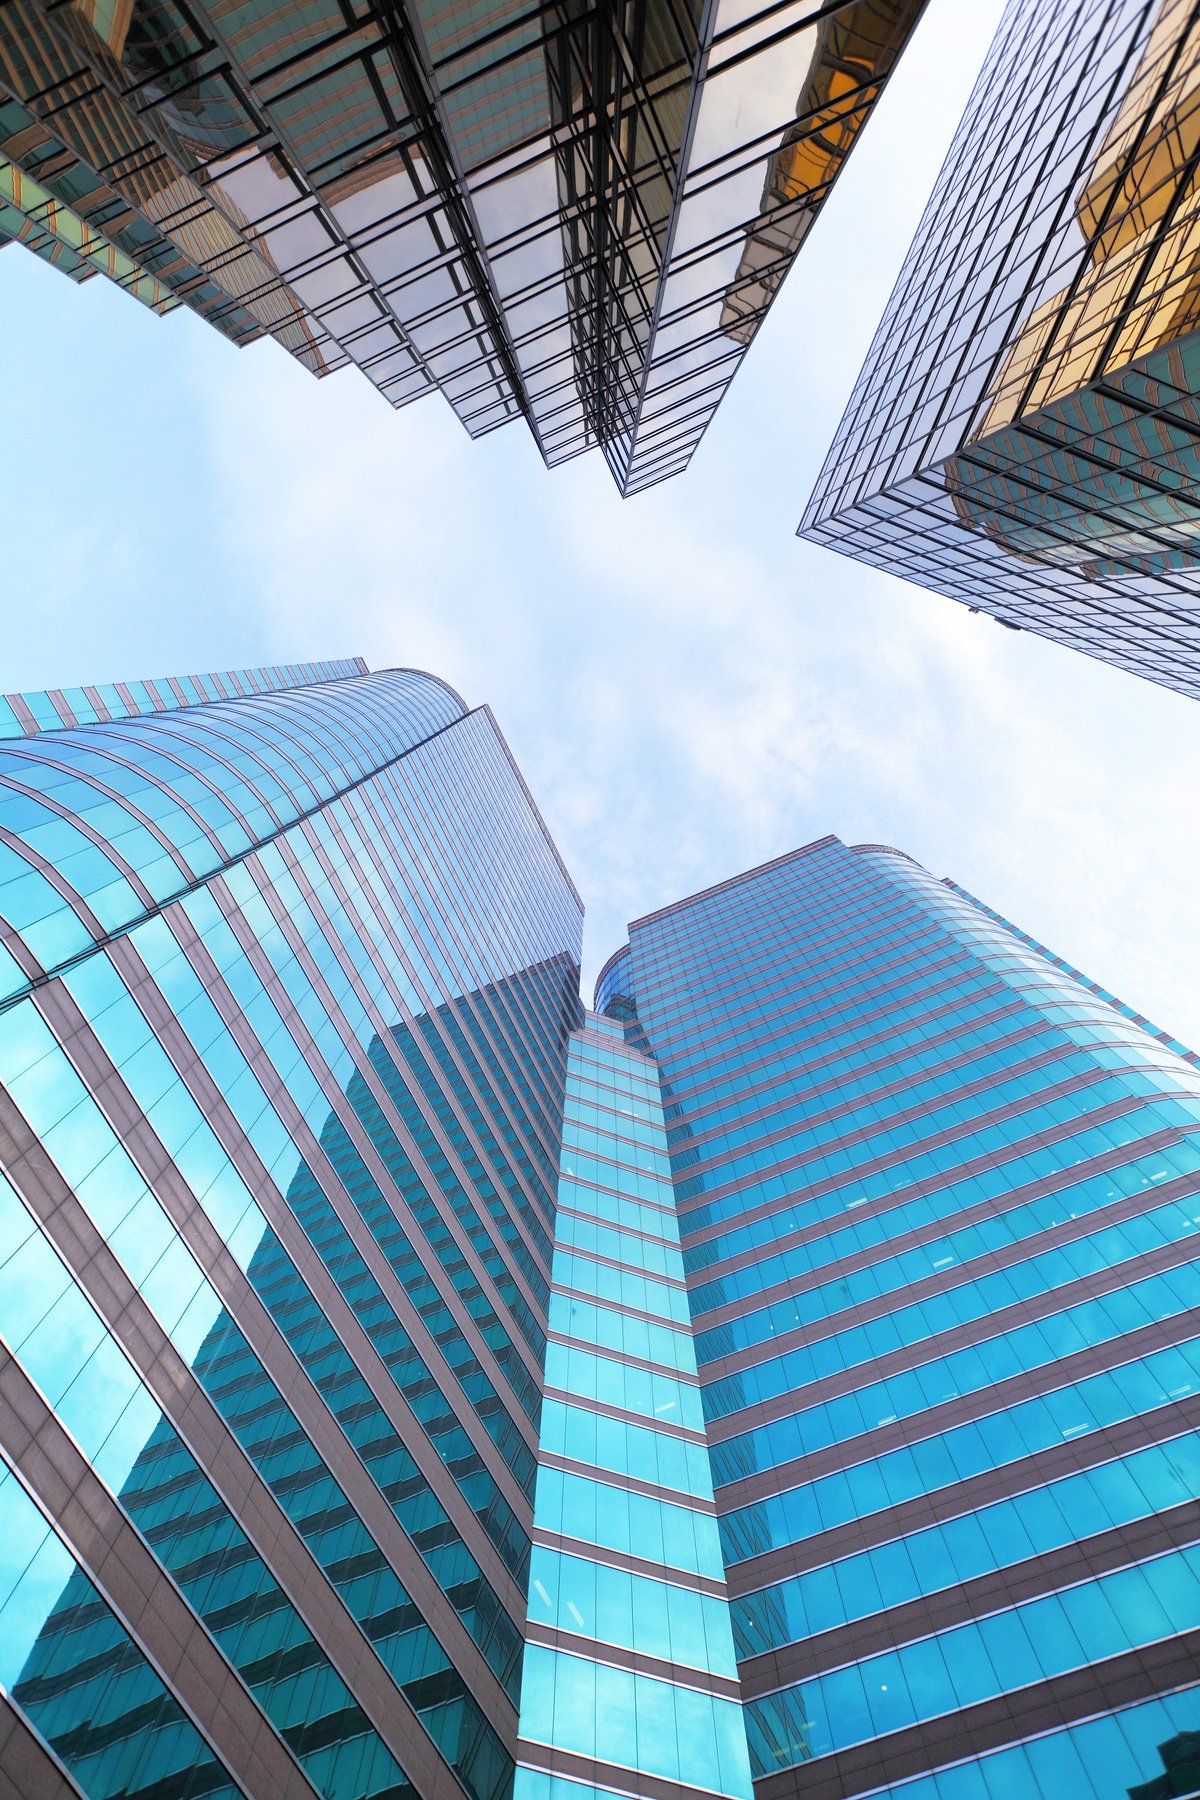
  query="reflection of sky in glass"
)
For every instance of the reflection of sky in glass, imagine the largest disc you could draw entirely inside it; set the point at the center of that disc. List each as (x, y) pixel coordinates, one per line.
(54, 1332)
(64, 1347)
(469, 906)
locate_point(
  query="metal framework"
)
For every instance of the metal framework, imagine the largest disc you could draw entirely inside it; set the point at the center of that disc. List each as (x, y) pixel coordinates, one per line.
(574, 212)
(1025, 432)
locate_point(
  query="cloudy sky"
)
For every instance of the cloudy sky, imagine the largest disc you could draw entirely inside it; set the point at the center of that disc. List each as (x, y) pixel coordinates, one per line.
(688, 689)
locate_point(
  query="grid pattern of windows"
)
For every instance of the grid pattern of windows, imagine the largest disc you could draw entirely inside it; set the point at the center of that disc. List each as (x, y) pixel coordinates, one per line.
(630, 1677)
(292, 967)
(937, 1199)
(1023, 434)
(575, 215)
(24, 715)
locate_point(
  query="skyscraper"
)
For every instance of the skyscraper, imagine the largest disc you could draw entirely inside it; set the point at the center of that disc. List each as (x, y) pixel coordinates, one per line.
(288, 981)
(779, 1381)
(1023, 433)
(937, 1197)
(574, 216)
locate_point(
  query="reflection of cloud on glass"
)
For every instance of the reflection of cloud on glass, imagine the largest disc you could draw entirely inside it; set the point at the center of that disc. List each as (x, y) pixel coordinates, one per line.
(78, 1676)
(1087, 454)
(74, 1668)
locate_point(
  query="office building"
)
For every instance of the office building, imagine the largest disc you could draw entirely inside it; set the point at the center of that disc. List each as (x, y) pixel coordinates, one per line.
(289, 971)
(1023, 433)
(778, 1381)
(574, 216)
(937, 1198)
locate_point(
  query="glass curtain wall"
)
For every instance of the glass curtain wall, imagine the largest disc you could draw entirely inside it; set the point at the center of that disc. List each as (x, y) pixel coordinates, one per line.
(289, 983)
(937, 1200)
(1023, 433)
(572, 215)
(630, 1677)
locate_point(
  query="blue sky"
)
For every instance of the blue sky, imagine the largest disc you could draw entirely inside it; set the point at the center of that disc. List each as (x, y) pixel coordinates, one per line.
(688, 689)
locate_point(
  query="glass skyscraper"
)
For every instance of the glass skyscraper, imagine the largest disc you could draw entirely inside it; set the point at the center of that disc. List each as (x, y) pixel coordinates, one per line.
(937, 1197)
(577, 216)
(778, 1381)
(288, 981)
(1024, 432)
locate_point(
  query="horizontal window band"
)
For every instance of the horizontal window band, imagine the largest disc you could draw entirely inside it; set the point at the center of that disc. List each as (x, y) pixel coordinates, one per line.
(614, 1777)
(627, 1268)
(984, 1329)
(644, 1421)
(935, 1230)
(683, 1329)
(978, 1164)
(990, 1724)
(635, 1565)
(616, 1656)
(607, 1224)
(959, 1603)
(772, 1101)
(613, 1478)
(960, 1132)
(966, 1090)
(688, 1377)
(1028, 1475)
(1114, 1353)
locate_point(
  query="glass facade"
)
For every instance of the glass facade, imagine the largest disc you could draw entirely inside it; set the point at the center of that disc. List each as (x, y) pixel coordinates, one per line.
(781, 1380)
(630, 1675)
(24, 715)
(1023, 433)
(574, 216)
(937, 1200)
(289, 981)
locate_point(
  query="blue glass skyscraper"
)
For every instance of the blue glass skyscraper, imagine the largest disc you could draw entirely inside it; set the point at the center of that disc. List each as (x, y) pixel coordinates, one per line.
(937, 1197)
(778, 1381)
(289, 970)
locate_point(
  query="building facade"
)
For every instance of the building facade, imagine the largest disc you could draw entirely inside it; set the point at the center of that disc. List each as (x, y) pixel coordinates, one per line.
(630, 1679)
(288, 984)
(937, 1198)
(1023, 433)
(779, 1381)
(575, 216)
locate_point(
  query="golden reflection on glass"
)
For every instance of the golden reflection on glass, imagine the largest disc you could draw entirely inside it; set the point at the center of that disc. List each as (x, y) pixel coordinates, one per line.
(853, 52)
(1079, 460)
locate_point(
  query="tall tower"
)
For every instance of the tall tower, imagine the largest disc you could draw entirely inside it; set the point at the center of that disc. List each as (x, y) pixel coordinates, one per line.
(289, 970)
(573, 215)
(1024, 431)
(937, 1197)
